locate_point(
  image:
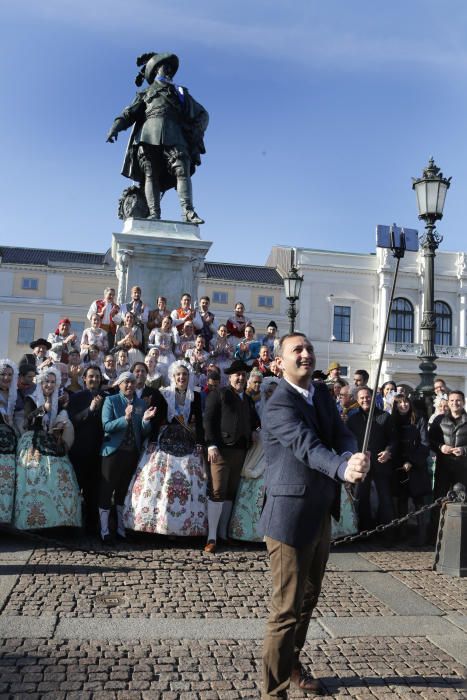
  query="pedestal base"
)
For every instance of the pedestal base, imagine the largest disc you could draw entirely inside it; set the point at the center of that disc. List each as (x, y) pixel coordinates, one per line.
(164, 258)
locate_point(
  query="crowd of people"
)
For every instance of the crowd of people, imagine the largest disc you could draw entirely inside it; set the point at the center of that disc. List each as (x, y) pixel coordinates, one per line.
(155, 415)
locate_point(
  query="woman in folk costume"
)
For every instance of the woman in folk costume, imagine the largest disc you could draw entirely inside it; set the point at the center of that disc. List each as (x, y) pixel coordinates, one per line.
(8, 439)
(94, 335)
(222, 351)
(47, 492)
(166, 339)
(168, 492)
(250, 494)
(130, 338)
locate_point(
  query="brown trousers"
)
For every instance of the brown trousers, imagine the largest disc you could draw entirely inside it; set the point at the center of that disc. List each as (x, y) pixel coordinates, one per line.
(225, 474)
(297, 575)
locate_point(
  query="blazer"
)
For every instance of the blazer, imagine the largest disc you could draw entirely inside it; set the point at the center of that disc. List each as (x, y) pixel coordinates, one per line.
(228, 419)
(302, 447)
(115, 423)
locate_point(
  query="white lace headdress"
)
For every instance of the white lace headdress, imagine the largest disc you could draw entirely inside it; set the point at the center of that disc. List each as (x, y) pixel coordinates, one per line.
(38, 396)
(169, 392)
(13, 388)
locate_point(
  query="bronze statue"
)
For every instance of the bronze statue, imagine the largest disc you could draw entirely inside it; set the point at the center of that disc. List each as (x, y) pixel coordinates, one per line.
(167, 137)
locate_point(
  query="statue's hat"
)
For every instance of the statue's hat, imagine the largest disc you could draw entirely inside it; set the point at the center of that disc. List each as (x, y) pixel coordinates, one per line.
(153, 64)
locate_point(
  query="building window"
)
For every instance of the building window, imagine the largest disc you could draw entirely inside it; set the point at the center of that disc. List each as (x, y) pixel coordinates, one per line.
(401, 321)
(30, 283)
(268, 302)
(443, 319)
(220, 298)
(341, 324)
(344, 371)
(78, 328)
(26, 329)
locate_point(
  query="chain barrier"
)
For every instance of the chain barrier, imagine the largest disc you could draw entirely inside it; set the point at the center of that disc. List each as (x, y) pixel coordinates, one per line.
(452, 497)
(393, 523)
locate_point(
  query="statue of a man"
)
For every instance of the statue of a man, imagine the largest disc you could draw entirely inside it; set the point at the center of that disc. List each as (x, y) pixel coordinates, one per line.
(167, 137)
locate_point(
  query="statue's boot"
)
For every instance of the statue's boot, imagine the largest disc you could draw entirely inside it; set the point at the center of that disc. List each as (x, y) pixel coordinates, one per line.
(185, 194)
(153, 198)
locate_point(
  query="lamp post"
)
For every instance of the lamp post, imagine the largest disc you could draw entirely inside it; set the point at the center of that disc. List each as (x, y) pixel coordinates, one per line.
(292, 285)
(431, 191)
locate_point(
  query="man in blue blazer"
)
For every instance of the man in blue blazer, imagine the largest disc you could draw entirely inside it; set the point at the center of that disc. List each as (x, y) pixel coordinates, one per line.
(126, 421)
(309, 453)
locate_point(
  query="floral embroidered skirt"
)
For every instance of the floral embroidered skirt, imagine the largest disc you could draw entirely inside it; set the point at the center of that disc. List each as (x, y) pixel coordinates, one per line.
(249, 503)
(7, 473)
(167, 494)
(47, 493)
(247, 510)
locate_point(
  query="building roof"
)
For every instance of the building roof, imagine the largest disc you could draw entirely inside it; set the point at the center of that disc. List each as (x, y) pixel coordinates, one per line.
(257, 274)
(44, 256)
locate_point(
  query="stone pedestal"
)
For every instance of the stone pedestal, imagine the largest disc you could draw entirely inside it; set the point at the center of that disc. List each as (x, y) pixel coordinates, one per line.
(162, 257)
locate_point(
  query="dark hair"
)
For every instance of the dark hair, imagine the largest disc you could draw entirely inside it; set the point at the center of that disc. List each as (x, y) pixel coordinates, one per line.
(23, 370)
(362, 373)
(286, 337)
(94, 367)
(389, 382)
(206, 298)
(213, 375)
(397, 416)
(250, 325)
(318, 375)
(135, 365)
(366, 388)
(185, 294)
(457, 391)
(162, 298)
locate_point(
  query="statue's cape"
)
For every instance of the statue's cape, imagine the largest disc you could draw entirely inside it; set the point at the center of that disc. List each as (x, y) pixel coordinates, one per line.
(195, 124)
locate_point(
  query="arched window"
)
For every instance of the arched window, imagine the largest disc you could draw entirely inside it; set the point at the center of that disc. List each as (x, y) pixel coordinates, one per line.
(401, 321)
(443, 318)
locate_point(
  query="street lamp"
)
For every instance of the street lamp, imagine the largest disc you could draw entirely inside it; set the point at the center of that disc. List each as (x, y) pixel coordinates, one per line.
(292, 285)
(431, 191)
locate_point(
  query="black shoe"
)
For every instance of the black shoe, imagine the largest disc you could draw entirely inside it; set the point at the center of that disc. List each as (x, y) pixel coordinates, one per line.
(191, 217)
(120, 537)
(107, 539)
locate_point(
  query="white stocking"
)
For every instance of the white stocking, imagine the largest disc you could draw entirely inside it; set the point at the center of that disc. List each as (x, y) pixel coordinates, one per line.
(214, 514)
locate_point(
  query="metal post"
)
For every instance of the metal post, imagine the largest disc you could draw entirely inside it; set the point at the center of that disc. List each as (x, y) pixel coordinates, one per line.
(292, 314)
(430, 242)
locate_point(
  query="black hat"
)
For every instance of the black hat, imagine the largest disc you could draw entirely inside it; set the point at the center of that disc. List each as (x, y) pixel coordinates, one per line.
(25, 368)
(40, 341)
(237, 366)
(272, 324)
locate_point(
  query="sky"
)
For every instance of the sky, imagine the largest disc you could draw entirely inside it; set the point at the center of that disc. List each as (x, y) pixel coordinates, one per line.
(320, 115)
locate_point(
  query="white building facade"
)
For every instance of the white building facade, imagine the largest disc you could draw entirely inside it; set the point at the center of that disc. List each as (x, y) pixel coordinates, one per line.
(344, 304)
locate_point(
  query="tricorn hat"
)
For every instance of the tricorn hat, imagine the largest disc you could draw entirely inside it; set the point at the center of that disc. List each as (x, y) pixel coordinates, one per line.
(40, 341)
(153, 64)
(333, 365)
(272, 324)
(237, 366)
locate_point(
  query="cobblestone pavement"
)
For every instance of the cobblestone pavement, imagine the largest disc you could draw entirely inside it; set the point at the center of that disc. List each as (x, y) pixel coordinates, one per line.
(169, 622)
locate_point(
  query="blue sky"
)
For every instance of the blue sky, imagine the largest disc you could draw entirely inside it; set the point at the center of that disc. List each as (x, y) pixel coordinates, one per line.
(320, 114)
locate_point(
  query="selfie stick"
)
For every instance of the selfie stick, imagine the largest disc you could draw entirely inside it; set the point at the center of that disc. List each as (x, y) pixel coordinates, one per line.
(398, 251)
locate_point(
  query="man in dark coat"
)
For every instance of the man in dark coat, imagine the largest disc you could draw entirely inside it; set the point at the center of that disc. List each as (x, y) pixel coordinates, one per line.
(230, 421)
(167, 138)
(382, 447)
(152, 397)
(448, 439)
(309, 453)
(84, 409)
